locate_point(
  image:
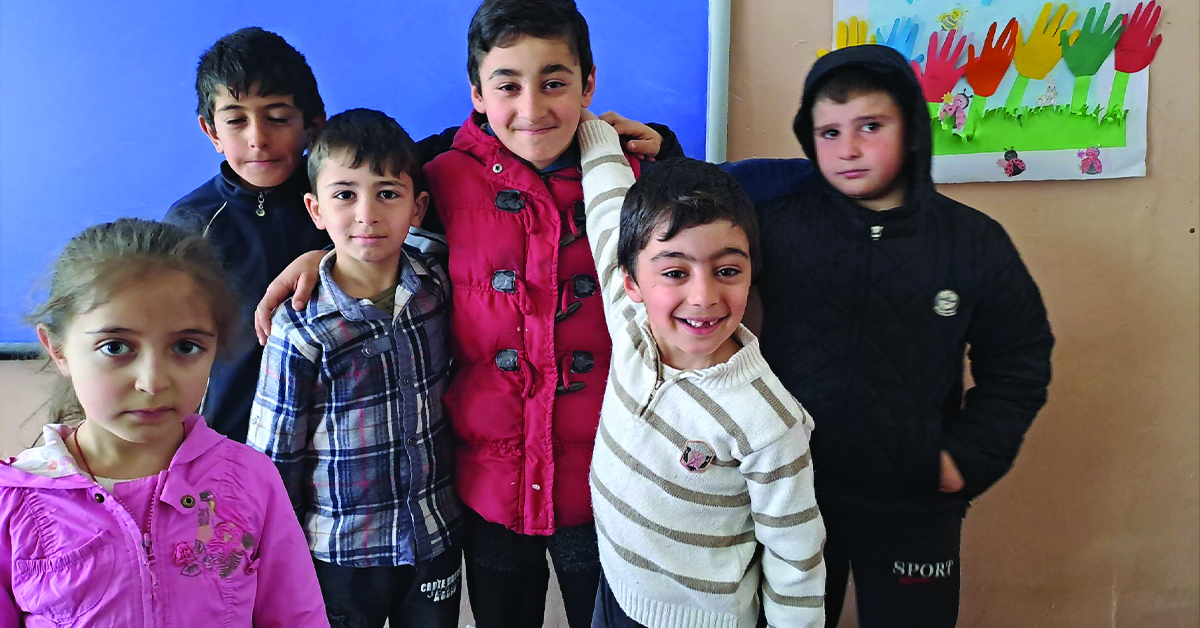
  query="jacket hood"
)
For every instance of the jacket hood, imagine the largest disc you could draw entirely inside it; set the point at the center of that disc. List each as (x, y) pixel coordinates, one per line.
(902, 84)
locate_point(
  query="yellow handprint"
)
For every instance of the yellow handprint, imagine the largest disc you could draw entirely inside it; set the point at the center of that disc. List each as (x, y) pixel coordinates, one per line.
(1036, 56)
(851, 33)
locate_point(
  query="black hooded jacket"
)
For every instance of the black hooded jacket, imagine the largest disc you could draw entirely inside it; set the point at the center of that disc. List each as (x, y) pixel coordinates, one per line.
(867, 316)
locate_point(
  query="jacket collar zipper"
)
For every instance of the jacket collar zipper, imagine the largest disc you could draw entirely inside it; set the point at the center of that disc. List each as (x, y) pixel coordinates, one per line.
(262, 199)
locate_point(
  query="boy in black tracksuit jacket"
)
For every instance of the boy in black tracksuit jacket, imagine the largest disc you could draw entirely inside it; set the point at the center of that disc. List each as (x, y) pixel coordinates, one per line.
(874, 286)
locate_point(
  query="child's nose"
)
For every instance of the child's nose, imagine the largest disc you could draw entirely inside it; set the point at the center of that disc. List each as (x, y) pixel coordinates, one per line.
(257, 135)
(152, 377)
(851, 147)
(703, 292)
(532, 105)
(366, 212)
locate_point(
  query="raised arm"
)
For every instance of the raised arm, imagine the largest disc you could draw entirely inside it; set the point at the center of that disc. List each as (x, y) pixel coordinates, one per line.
(607, 177)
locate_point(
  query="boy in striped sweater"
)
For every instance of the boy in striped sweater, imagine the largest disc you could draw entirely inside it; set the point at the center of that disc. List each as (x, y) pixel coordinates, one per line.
(701, 479)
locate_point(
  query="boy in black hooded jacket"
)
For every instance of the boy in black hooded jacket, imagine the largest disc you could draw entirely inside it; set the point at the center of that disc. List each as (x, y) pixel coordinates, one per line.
(874, 287)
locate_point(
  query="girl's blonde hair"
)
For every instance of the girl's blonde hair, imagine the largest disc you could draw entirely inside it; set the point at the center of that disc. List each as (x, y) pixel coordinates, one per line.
(107, 258)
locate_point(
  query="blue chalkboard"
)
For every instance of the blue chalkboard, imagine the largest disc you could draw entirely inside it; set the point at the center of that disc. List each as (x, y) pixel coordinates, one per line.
(97, 104)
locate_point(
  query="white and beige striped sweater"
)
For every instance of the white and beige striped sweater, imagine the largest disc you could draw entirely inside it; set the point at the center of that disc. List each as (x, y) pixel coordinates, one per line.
(701, 479)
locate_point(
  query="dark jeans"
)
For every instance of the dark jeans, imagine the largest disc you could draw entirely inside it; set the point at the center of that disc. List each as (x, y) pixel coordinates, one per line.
(507, 574)
(423, 596)
(906, 570)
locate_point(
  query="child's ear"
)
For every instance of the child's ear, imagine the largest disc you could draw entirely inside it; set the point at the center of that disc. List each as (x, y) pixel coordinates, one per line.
(421, 206)
(313, 130)
(631, 287)
(314, 210)
(210, 132)
(477, 99)
(589, 88)
(53, 350)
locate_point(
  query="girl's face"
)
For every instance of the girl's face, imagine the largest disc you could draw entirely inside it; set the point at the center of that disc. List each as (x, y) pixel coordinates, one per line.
(139, 363)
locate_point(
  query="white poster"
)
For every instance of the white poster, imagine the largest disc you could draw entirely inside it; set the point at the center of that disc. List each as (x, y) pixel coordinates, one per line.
(1022, 89)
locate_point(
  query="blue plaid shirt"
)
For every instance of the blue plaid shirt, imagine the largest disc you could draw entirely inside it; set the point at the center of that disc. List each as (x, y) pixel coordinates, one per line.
(349, 407)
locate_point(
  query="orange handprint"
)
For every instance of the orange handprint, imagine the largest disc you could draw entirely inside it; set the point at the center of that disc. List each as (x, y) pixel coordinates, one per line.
(985, 72)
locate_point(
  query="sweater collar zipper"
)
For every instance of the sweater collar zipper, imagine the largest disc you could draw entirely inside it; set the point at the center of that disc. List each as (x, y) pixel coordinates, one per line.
(262, 200)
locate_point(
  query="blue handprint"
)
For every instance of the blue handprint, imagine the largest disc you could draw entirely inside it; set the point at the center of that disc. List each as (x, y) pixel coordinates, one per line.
(902, 39)
(986, 2)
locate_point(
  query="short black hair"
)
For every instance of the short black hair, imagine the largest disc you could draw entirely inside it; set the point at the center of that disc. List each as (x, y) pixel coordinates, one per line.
(682, 193)
(252, 56)
(500, 23)
(843, 83)
(366, 135)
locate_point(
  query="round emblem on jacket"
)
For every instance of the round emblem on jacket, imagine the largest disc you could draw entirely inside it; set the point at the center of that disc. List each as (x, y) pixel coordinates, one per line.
(946, 303)
(697, 456)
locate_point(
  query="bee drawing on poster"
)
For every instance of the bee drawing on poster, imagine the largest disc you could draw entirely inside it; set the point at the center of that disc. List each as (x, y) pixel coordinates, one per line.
(1042, 78)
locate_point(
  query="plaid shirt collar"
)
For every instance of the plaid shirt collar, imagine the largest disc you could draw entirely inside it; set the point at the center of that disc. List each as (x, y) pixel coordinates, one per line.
(334, 299)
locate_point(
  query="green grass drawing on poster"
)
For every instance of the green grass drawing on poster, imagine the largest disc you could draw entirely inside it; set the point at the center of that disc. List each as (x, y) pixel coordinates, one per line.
(1040, 128)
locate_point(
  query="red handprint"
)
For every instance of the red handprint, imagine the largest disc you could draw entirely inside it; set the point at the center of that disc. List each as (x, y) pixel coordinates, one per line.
(1135, 49)
(940, 73)
(985, 72)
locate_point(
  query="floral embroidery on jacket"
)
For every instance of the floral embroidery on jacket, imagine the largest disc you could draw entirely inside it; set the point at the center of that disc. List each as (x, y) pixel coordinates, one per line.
(219, 547)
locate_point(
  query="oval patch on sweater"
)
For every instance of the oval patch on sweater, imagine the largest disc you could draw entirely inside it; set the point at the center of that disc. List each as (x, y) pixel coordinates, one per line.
(697, 456)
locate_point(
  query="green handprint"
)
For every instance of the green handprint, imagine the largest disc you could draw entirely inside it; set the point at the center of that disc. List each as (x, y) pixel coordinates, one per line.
(1091, 47)
(1038, 54)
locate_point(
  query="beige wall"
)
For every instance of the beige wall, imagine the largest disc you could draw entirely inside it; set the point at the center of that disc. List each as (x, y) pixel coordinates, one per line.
(1098, 524)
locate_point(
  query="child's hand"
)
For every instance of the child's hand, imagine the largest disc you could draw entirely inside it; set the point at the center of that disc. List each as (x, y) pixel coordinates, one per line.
(952, 480)
(643, 141)
(300, 277)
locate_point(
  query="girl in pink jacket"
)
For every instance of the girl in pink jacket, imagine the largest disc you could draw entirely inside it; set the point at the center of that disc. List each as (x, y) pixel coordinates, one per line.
(133, 513)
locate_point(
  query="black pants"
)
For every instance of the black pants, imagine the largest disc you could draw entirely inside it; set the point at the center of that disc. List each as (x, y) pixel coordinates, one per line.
(507, 574)
(425, 596)
(906, 570)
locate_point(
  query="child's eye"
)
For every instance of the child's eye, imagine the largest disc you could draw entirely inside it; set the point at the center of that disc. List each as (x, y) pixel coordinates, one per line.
(507, 87)
(389, 195)
(828, 134)
(188, 347)
(674, 274)
(555, 84)
(234, 121)
(872, 126)
(280, 120)
(344, 195)
(114, 348)
(729, 272)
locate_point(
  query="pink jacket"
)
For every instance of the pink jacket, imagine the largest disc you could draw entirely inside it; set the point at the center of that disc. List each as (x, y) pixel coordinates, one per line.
(223, 546)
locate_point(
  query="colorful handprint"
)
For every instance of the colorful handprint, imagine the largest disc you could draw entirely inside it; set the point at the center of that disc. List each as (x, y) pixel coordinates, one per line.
(852, 32)
(1037, 54)
(902, 38)
(1135, 51)
(985, 72)
(1087, 53)
(941, 67)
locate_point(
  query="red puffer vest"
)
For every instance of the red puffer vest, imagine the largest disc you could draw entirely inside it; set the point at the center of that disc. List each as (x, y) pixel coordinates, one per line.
(528, 334)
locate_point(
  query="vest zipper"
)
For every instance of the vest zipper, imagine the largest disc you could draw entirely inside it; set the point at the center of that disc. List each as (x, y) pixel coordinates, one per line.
(876, 232)
(262, 199)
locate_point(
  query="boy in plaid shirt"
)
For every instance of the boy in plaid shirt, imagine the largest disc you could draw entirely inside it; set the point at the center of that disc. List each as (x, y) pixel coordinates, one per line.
(349, 401)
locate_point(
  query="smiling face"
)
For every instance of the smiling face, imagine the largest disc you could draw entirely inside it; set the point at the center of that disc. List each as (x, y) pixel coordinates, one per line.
(366, 214)
(532, 93)
(262, 137)
(860, 148)
(139, 363)
(694, 287)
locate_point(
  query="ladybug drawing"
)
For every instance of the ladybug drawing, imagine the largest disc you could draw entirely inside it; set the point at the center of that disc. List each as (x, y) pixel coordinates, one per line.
(955, 106)
(1012, 164)
(1091, 163)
